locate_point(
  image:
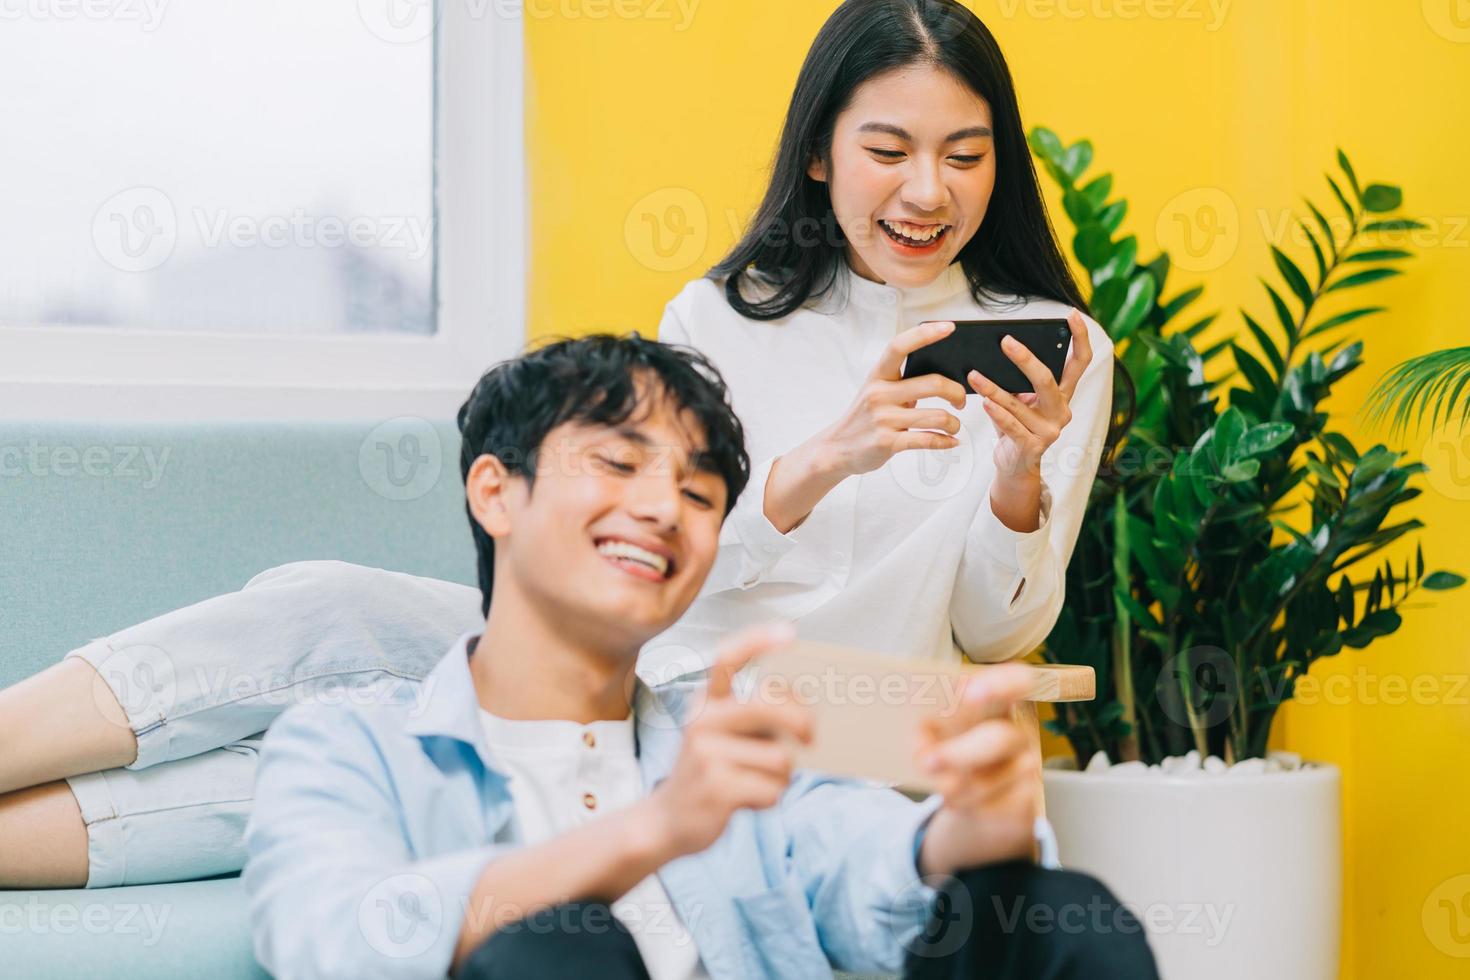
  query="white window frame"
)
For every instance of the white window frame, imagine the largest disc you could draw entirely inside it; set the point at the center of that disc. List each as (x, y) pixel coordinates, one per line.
(123, 374)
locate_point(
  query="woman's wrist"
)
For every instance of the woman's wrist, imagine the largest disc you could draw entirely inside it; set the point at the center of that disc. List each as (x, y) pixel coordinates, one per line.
(1016, 501)
(799, 480)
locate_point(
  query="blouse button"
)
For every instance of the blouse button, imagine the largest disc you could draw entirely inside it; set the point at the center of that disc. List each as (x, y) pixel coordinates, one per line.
(589, 801)
(589, 740)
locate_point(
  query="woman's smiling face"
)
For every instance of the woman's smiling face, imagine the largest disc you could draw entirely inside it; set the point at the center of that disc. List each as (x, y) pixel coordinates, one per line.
(912, 171)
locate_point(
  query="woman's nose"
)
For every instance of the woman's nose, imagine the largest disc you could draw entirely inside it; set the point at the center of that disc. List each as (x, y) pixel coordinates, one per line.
(924, 190)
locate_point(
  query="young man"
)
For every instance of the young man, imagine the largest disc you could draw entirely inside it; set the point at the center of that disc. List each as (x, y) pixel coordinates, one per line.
(536, 811)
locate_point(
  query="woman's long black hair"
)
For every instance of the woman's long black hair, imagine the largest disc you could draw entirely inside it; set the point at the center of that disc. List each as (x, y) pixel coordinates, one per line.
(795, 244)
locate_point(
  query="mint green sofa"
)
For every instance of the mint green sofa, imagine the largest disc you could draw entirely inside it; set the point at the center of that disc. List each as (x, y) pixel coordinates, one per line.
(103, 526)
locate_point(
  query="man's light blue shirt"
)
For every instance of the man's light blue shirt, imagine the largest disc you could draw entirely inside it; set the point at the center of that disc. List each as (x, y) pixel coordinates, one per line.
(372, 825)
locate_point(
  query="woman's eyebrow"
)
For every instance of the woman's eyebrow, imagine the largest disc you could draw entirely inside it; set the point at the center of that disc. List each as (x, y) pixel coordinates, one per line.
(903, 134)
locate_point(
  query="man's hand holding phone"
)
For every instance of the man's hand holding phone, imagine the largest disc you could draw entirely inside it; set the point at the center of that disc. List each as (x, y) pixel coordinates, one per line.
(735, 753)
(987, 770)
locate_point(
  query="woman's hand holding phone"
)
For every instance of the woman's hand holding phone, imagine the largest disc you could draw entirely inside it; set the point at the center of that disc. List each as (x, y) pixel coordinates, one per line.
(881, 422)
(1028, 424)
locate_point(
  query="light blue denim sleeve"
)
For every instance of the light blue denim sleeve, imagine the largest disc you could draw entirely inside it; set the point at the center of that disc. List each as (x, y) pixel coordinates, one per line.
(854, 846)
(333, 889)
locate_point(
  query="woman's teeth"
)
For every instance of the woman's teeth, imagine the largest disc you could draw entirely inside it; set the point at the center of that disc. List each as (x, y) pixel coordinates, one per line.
(631, 552)
(914, 235)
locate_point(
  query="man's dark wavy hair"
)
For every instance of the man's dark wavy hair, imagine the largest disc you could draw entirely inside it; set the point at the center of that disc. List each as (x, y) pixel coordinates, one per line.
(599, 380)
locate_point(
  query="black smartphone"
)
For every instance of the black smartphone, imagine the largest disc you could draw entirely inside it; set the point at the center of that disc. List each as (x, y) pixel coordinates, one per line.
(975, 345)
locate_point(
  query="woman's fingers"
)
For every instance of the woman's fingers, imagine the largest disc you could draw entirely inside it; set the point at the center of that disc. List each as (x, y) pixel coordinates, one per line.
(920, 439)
(922, 418)
(890, 362)
(1081, 355)
(1050, 399)
(910, 390)
(1008, 423)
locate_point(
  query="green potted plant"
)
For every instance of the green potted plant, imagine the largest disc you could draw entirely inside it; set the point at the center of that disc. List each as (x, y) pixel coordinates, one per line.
(1233, 539)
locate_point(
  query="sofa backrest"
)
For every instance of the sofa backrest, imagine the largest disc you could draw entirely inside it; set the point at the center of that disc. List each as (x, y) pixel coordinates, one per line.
(102, 526)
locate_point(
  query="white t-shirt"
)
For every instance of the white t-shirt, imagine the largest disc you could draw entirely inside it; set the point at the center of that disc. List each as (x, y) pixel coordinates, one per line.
(563, 775)
(909, 559)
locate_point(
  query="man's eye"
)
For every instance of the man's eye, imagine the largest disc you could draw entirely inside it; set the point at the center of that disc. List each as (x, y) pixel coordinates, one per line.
(698, 498)
(616, 465)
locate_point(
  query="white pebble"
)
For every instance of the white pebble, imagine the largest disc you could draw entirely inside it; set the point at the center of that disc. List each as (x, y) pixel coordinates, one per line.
(1286, 761)
(1098, 762)
(1248, 767)
(1180, 764)
(1215, 764)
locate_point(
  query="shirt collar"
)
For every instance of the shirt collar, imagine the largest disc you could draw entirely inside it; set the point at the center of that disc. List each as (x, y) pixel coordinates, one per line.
(448, 707)
(867, 293)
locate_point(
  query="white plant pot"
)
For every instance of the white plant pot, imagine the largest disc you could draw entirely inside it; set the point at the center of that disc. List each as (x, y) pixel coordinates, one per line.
(1235, 877)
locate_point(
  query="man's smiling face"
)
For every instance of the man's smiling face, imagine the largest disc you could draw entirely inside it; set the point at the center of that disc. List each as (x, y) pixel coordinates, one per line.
(621, 525)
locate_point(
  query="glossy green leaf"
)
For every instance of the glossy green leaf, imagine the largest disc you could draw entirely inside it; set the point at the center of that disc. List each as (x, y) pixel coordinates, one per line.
(1382, 198)
(1111, 217)
(1352, 177)
(1379, 255)
(1342, 199)
(1341, 319)
(1293, 276)
(1093, 246)
(1076, 159)
(1443, 581)
(1077, 206)
(1268, 347)
(1329, 237)
(1263, 438)
(1316, 251)
(1097, 191)
(1395, 224)
(1045, 143)
(1364, 278)
(1122, 262)
(1136, 305)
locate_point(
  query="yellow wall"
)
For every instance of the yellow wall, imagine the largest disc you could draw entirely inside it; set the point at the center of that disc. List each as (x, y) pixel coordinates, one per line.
(643, 114)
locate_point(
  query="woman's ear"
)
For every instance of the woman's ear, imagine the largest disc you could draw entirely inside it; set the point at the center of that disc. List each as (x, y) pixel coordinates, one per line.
(485, 487)
(817, 170)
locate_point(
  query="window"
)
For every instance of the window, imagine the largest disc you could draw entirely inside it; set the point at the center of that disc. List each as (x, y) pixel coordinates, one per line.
(263, 208)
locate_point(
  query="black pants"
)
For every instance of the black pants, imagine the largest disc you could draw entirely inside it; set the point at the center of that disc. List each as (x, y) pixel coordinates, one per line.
(1011, 921)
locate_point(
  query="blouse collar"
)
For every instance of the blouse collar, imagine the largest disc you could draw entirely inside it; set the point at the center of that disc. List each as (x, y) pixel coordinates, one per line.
(866, 293)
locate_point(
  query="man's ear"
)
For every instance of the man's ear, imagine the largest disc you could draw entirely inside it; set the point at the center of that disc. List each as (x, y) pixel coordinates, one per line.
(817, 170)
(485, 487)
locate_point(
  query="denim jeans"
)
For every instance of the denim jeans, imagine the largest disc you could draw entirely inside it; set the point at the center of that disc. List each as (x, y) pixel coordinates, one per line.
(200, 685)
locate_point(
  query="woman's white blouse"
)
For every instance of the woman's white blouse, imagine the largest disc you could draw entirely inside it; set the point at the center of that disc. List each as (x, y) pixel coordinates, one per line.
(908, 559)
